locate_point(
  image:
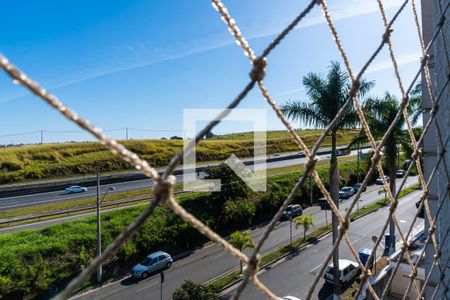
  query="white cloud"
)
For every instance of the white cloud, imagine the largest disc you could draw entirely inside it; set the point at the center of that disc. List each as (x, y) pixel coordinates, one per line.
(401, 60)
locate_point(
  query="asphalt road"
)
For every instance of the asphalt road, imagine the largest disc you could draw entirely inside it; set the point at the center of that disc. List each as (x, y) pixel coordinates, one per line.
(294, 275)
(49, 197)
(211, 261)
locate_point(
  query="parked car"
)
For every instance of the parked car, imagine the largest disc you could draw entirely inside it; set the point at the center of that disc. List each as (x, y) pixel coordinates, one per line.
(347, 271)
(400, 173)
(151, 263)
(357, 186)
(292, 210)
(346, 192)
(276, 155)
(380, 181)
(76, 189)
(289, 298)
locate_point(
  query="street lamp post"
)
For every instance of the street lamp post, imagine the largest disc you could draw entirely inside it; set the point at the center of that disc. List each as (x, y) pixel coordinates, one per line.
(99, 234)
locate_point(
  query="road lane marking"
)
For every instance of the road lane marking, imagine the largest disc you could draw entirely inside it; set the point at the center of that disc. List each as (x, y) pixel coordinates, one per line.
(146, 287)
(313, 271)
(217, 256)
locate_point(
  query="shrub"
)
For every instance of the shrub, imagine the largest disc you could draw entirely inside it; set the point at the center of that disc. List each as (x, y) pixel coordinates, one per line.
(194, 291)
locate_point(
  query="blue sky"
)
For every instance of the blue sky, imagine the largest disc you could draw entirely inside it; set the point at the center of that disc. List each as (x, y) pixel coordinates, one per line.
(139, 63)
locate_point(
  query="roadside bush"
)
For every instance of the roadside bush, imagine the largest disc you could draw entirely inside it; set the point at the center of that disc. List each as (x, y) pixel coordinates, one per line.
(9, 166)
(194, 291)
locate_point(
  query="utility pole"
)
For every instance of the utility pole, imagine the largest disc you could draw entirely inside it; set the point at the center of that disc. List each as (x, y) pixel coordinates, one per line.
(126, 133)
(357, 173)
(42, 137)
(290, 230)
(311, 189)
(334, 193)
(99, 235)
(162, 281)
(357, 164)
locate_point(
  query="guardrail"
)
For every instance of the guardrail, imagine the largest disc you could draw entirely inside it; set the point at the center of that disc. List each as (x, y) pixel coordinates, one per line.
(72, 211)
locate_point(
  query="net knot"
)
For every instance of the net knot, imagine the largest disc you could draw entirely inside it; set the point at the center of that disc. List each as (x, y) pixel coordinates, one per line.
(424, 59)
(252, 266)
(376, 156)
(393, 206)
(311, 162)
(404, 102)
(404, 247)
(432, 229)
(345, 225)
(258, 72)
(163, 189)
(434, 110)
(387, 34)
(356, 84)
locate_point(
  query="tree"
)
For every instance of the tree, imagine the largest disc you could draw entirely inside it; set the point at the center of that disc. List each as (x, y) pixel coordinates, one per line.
(306, 221)
(380, 114)
(232, 187)
(194, 291)
(382, 191)
(241, 241)
(327, 97)
(415, 109)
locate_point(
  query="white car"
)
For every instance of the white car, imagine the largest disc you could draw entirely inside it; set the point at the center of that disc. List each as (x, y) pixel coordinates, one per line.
(289, 298)
(347, 271)
(76, 189)
(346, 192)
(380, 181)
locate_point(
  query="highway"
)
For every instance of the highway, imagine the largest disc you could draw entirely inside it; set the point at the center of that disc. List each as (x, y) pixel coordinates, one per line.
(58, 196)
(211, 261)
(294, 275)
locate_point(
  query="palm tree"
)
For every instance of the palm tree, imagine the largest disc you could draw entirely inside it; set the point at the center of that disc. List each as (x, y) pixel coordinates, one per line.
(380, 114)
(415, 109)
(327, 96)
(306, 221)
(242, 240)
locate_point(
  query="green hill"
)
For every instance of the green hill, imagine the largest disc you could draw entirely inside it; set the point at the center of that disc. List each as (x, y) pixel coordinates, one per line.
(25, 163)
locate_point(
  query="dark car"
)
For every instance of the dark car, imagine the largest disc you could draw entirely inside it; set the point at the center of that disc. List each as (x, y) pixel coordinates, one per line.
(357, 186)
(400, 173)
(292, 210)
